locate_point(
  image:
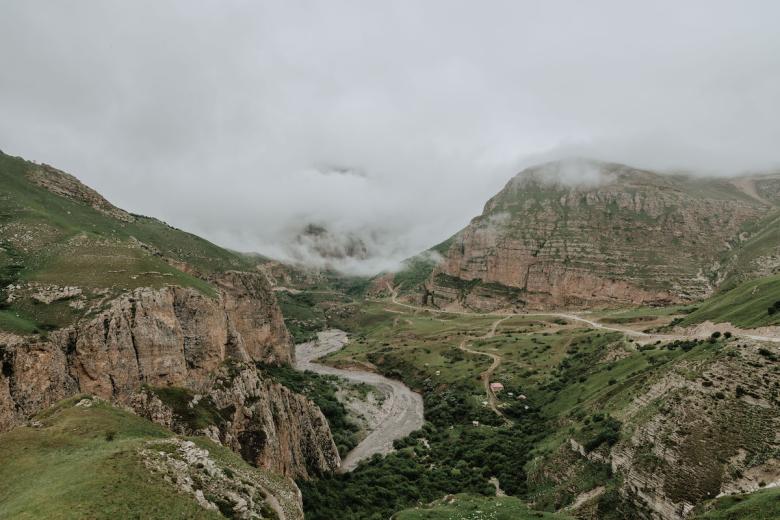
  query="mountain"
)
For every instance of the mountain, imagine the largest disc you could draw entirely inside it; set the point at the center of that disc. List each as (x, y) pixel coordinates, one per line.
(583, 233)
(134, 312)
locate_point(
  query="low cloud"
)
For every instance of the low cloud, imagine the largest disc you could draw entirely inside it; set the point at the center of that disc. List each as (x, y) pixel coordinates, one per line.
(390, 124)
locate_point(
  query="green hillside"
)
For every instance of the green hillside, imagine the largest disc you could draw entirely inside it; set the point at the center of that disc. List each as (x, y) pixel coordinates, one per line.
(78, 239)
(761, 505)
(87, 462)
(747, 259)
(755, 303)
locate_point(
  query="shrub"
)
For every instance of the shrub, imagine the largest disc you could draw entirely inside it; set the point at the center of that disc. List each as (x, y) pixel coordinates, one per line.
(110, 435)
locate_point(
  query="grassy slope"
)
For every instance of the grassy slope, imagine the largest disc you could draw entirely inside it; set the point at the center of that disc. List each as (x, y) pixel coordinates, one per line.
(764, 241)
(416, 270)
(55, 240)
(761, 505)
(469, 507)
(67, 469)
(744, 306)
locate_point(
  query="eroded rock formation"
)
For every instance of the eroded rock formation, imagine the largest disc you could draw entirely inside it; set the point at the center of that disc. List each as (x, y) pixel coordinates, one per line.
(624, 236)
(179, 337)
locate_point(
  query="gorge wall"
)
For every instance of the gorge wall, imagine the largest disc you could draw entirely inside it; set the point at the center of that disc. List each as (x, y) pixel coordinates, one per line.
(627, 236)
(179, 337)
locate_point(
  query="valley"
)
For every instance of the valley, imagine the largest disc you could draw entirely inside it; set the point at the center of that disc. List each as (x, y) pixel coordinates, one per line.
(520, 371)
(398, 413)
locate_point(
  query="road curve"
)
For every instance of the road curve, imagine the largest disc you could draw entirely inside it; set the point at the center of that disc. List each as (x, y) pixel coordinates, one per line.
(402, 409)
(487, 375)
(645, 336)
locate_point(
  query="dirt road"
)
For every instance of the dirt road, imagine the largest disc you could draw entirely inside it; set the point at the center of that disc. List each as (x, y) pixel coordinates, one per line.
(641, 337)
(400, 414)
(487, 375)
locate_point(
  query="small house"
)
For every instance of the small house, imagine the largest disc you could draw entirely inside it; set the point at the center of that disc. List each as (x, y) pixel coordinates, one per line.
(496, 387)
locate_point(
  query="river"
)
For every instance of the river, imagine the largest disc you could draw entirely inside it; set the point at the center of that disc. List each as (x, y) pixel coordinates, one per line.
(401, 411)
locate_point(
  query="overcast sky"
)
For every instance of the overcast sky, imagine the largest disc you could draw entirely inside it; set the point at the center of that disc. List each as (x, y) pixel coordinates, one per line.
(393, 121)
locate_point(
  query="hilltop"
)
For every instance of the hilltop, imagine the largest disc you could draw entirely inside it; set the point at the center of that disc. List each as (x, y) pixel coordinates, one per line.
(585, 233)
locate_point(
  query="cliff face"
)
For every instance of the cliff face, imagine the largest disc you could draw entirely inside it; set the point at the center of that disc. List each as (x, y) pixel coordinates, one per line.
(177, 337)
(273, 427)
(707, 428)
(625, 236)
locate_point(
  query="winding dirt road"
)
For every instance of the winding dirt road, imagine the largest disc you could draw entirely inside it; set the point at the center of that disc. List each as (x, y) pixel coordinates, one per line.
(487, 375)
(401, 412)
(644, 337)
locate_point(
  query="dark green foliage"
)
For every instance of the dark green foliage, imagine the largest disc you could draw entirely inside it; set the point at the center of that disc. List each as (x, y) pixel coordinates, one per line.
(684, 345)
(601, 430)
(459, 460)
(322, 390)
(195, 417)
(445, 405)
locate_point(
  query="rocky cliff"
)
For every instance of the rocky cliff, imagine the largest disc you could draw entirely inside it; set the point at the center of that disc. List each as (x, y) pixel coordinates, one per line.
(98, 301)
(178, 337)
(570, 234)
(701, 427)
(706, 428)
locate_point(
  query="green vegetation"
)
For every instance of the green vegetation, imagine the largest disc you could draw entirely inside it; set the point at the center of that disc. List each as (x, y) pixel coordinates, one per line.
(322, 390)
(68, 468)
(50, 239)
(307, 313)
(760, 505)
(743, 259)
(471, 507)
(85, 460)
(415, 271)
(561, 382)
(196, 415)
(12, 321)
(432, 462)
(748, 305)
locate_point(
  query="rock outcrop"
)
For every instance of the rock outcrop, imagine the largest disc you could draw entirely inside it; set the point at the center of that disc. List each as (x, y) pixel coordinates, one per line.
(235, 493)
(703, 428)
(714, 432)
(268, 424)
(178, 337)
(68, 186)
(624, 236)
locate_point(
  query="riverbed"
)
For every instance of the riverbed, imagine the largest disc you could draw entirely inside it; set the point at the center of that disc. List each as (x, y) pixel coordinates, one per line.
(401, 409)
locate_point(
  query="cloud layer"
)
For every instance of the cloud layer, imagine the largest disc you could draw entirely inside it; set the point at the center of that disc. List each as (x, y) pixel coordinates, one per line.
(389, 121)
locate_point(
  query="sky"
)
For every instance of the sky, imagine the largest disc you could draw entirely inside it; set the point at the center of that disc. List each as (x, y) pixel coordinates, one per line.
(389, 123)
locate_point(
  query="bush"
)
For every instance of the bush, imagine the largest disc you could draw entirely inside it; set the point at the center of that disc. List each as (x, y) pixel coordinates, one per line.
(110, 435)
(603, 430)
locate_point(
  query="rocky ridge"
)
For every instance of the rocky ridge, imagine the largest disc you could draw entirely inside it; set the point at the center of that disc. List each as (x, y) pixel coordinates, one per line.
(178, 337)
(624, 236)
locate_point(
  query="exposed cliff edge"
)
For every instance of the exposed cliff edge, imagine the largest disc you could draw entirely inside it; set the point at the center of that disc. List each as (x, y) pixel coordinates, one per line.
(178, 337)
(587, 233)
